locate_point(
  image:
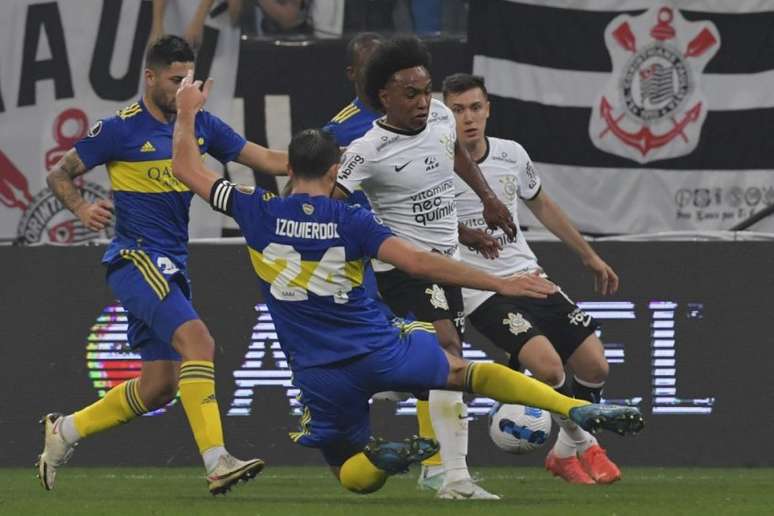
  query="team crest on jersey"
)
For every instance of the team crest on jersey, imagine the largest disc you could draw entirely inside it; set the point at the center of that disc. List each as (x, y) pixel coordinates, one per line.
(308, 208)
(516, 323)
(95, 129)
(653, 107)
(509, 187)
(437, 297)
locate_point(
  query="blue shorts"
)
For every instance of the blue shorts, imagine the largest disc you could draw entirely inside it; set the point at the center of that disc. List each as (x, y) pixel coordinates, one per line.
(157, 302)
(335, 396)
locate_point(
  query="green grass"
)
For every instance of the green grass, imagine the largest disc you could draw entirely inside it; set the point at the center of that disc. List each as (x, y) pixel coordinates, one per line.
(312, 491)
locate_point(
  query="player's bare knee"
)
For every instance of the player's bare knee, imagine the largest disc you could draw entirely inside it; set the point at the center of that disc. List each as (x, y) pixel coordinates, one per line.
(596, 372)
(193, 341)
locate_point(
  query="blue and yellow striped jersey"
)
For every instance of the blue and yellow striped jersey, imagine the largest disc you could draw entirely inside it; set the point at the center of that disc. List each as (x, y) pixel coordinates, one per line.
(352, 122)
(348, 125)
(151, 204)
(309, 253)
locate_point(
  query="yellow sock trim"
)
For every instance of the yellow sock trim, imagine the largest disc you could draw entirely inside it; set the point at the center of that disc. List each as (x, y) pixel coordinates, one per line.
(359, 475)
(197, 393)
(508, 386)
(120, 404)
(426, 430)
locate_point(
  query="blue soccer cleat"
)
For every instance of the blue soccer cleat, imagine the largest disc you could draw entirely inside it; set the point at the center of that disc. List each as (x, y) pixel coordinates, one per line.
(396, 457)
(616, 418)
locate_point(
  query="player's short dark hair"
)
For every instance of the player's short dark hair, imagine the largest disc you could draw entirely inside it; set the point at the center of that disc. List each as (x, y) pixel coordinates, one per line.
(360, 40)
(393, 55)
(462, 82)
(166, 50)
(312, 152)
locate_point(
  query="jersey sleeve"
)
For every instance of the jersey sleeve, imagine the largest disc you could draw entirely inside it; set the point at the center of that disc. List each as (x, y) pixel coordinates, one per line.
(98, 147)
(367, 230)
(353, 169)
(243, 203)
(527, 179)
(224, 143)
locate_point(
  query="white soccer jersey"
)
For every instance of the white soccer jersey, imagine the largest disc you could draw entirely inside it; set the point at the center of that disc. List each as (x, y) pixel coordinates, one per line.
(507, 168)
(409, 180)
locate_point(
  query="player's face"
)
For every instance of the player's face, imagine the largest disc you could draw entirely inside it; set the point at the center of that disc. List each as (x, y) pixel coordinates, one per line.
(471, 110)
(406, 98)
(162, 85)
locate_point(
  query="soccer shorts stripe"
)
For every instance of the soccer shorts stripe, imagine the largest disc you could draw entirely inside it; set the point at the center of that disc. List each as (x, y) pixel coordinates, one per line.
(151, 274)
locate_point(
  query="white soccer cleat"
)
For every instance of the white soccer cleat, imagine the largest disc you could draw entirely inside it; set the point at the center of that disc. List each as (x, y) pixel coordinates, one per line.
(464, 490)
(231, 470)
(56, 451)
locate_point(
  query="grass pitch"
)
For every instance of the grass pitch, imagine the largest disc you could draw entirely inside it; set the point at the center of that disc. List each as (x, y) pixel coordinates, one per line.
(312, 491)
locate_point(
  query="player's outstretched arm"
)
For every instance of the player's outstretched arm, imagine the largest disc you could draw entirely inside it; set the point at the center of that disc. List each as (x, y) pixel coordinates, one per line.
(557, 222)
(187, 163)
(437, 267)
(94, 216)
(496, 214)
(268, 161)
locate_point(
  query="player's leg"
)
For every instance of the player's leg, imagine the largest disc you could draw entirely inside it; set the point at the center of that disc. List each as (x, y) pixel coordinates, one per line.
(590, 371)
(540, 357)
(513, 325)
(508, 386)
(155, 386)
(164, 305)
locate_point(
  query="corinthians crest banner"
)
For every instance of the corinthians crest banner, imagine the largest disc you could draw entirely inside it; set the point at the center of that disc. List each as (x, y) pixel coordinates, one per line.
(63, 66)
(641, 116)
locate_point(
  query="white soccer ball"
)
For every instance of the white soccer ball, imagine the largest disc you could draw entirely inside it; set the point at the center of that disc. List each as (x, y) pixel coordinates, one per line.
(518, 429)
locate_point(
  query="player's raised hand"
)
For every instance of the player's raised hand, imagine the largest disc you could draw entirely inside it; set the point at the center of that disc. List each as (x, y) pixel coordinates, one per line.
(191, 96)
(527, 284)
(480, 241)
(605, 278)
(97, 215)
(497, 215)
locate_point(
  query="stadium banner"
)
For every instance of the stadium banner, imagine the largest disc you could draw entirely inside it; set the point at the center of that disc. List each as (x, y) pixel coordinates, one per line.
(641, 115)
(693, 352)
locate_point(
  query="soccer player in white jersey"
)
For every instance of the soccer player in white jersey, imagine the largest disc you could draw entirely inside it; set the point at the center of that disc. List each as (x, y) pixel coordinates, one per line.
(406, 166)
(540, 335)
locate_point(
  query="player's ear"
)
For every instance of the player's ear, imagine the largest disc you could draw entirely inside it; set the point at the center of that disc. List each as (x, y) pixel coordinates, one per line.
(487, 105)
(333, 171)
(350, 71)
(290, 171)
(383, 98)
(148, 75)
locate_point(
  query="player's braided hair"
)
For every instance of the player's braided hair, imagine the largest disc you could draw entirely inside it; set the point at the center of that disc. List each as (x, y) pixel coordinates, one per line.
(168, 49)
(395, 54)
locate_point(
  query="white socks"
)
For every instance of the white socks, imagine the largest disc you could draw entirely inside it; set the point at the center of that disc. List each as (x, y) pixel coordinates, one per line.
(572, 439)
(68, 431)
(211, 457)
(449, 415)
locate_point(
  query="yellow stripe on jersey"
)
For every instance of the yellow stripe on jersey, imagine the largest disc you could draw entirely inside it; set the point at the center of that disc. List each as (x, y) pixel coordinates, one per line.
(153, 176)
(152, 276)
(129, 111)
(269, 270)
(406, 328)
(346, 113)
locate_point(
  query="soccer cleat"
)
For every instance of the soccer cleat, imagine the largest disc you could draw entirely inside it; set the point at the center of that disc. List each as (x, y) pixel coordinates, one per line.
(396, 457)
(464, 490)
(56, 451)
(599, 466)
(568, 469)
(616, 418)
(231, 470)
(430, 482)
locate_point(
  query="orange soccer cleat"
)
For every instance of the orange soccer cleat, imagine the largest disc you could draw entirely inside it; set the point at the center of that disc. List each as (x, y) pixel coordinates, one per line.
(569, 469)
(599, 466)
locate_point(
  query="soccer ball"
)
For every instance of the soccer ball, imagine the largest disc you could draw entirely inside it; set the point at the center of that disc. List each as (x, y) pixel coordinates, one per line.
(518, 429)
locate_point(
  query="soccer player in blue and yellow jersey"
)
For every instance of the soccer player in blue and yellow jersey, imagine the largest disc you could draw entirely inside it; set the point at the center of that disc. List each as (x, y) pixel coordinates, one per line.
(308, 251)
(147, 262)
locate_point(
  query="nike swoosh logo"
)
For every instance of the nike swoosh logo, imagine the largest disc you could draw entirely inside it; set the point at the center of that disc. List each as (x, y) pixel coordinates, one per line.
(399, 168)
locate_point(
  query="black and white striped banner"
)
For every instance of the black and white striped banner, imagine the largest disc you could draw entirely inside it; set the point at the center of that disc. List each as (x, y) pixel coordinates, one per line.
(642, 115)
